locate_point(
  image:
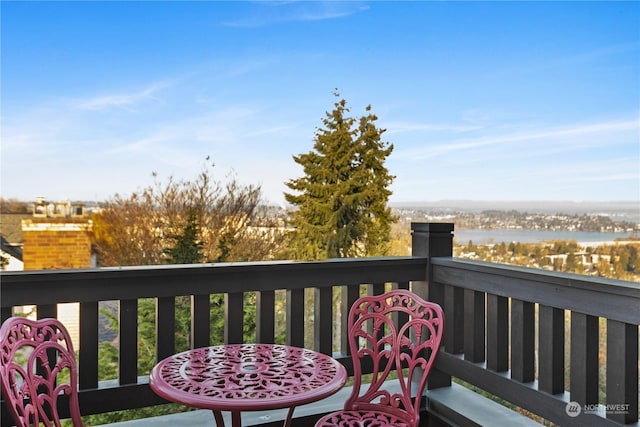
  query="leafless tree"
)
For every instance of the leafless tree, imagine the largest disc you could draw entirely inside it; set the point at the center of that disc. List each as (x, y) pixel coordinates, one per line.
(138, 230)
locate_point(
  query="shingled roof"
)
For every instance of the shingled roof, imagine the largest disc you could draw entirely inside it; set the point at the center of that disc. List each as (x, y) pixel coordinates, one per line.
(11, 227)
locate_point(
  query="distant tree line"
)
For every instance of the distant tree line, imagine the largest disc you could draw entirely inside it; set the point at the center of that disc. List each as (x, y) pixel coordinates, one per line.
(14, 206)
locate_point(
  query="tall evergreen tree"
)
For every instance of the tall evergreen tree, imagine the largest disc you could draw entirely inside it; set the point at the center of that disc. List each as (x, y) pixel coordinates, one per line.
(342, 198)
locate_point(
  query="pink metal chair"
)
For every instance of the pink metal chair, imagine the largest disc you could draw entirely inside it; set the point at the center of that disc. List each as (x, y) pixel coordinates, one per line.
(33, 354)
(407, 349)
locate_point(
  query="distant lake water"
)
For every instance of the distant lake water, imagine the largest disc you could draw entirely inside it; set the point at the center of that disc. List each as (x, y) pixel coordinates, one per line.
(532, 236)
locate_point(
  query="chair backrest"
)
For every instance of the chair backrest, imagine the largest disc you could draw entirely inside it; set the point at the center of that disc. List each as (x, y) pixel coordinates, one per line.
(399, 333)
(37, 369)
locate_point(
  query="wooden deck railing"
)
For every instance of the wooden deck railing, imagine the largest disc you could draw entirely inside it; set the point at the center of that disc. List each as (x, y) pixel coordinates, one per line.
(493, 315)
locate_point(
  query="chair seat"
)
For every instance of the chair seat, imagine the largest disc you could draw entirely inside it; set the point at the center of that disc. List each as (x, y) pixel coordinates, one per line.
(361, 419)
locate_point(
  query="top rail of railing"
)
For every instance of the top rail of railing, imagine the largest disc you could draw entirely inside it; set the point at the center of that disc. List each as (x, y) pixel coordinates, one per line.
(102, 284)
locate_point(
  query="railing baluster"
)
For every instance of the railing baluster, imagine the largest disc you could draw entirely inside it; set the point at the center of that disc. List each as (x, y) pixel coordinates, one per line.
(88, 346)
(349, 296)
(400, 285)
(497, 333)
(622, 372)
(584, 359)
(474, 329)
(47, 310)
(295, 317)
(200, 321)
(234, 318)
(400, 318)
(323, 320)
(522, 341)
(551, 349)
(165, 327)
(375, 289)
(454, 319)
(128, 352)
(265, 316)
(5, 313)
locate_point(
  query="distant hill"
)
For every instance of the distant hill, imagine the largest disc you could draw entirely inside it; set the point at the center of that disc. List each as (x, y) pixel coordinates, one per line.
(625, 208)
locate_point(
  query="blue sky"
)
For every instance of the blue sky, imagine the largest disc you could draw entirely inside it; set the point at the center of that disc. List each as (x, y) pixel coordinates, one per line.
(482, 100)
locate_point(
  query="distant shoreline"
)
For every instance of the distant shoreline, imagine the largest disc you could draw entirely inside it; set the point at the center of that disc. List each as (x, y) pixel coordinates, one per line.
(625, 207)
(584, 238)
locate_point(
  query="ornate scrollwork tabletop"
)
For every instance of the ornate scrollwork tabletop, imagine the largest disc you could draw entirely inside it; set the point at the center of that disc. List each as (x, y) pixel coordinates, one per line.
(241, 377)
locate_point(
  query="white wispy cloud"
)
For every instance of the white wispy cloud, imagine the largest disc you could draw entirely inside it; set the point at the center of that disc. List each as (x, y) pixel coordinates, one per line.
(270, 13)
(250, 66)
(402, 127)
(555, 135)
(122, 99)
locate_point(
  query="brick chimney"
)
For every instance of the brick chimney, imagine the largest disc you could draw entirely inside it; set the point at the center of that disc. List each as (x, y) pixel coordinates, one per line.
(58, 237)
(56, 243)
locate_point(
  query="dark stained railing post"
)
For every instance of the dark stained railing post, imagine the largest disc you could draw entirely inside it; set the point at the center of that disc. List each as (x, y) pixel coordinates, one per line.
(622, 372)
(375, 289)
(584, 359)
(434, 240)
(522, 341)
(200, 321)
(165, 321)
(5, 313)
(551, 347)
(431, 240)
(234, 318)
(349, 296)
(265, 316)
(400, 318)
(454, 319)
(128, 330)
(295, 317)
(497, 333)
(474, 329)
(88, 348)
(47, 310)
(323, 320)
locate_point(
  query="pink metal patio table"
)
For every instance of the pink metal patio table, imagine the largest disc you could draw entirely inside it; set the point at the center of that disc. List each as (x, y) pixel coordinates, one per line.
(247, 377)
